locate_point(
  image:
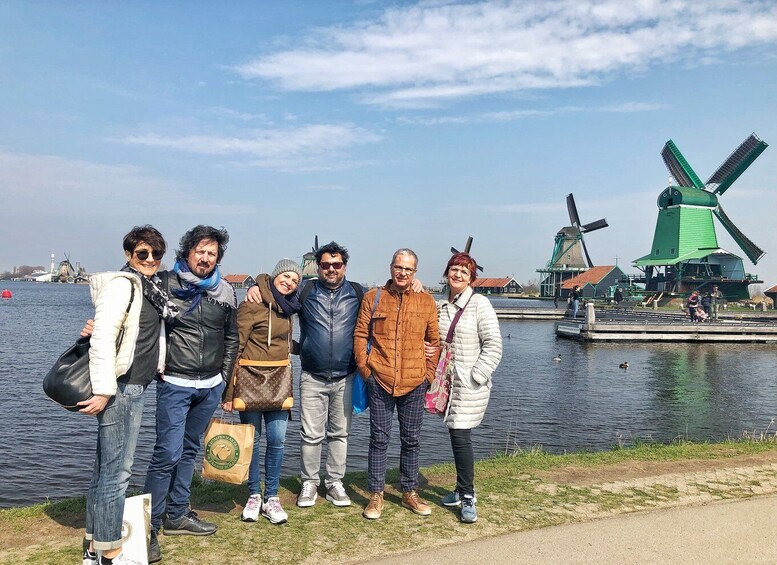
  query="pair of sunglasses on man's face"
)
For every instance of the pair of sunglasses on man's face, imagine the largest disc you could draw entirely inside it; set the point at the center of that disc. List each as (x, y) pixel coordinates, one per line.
(337, 265)
(143, 254)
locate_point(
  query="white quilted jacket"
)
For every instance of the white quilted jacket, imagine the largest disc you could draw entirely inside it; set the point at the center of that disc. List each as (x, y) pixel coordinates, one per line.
(477, 350)
(110, 296)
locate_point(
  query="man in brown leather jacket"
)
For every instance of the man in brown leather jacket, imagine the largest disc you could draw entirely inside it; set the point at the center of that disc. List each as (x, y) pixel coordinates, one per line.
(396, 323)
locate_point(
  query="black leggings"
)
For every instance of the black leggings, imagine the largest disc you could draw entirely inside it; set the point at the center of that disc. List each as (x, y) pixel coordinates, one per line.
(464, 458)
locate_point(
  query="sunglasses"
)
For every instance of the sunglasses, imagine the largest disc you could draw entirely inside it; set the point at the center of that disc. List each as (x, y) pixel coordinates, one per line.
(337, 265)
(143, 254)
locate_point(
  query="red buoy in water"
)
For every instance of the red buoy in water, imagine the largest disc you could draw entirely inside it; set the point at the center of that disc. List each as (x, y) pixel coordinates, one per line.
(6, 293)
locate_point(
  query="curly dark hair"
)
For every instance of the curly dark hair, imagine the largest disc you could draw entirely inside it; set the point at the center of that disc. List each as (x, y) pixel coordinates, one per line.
(191, 238)
(144, 234)
(333, 248)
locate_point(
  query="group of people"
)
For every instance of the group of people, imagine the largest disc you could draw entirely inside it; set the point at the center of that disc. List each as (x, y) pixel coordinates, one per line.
(704, 307)
(183, 328)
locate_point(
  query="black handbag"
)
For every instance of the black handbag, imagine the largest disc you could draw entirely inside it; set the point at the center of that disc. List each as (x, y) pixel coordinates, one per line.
(68, 382)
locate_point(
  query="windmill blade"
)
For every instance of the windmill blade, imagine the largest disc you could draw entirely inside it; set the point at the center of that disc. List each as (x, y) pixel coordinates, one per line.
(736, 164)
(585, 250)
(753, 252)
(315, 244)
(466, 250)
(572, 209)
(679, 167)
(593, 226)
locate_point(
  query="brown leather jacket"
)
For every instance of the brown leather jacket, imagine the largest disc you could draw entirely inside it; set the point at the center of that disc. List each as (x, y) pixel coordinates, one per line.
(400, 325)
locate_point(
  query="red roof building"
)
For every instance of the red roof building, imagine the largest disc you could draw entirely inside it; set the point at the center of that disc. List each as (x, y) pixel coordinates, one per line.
(506, 285)
(594, 282)
(240, 281)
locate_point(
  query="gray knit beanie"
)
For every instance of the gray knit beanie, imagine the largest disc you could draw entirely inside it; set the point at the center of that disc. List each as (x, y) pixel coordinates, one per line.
(286, 266)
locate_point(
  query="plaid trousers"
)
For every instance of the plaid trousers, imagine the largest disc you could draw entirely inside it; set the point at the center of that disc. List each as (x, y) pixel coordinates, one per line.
(410, 413)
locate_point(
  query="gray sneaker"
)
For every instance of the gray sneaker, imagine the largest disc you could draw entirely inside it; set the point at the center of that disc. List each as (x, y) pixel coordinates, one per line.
(454, 499)
(469, 514)
(336, 494)
(308, 495)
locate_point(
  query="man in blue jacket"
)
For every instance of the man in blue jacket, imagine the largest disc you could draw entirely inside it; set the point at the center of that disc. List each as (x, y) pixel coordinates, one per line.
(327, 320)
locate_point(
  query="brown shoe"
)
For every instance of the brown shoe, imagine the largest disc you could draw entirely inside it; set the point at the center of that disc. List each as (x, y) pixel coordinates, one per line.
(411, 500)
(375, 507)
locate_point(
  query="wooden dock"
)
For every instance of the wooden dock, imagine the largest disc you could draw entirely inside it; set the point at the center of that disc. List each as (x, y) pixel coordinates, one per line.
(530, 313)
(647, 326)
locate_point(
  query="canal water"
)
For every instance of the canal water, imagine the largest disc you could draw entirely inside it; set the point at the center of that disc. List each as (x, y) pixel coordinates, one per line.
(583, 402)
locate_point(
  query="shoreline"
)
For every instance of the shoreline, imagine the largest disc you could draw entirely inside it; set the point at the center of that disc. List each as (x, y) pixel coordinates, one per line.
(529, 490)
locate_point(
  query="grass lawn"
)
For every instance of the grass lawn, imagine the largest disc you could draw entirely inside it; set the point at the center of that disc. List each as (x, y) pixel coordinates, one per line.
(529, 489)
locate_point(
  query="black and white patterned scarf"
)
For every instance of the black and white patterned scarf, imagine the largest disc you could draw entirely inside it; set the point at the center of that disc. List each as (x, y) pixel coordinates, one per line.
(156, 295)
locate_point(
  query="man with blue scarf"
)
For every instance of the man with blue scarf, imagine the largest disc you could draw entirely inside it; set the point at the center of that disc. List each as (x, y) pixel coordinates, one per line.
(202, 343)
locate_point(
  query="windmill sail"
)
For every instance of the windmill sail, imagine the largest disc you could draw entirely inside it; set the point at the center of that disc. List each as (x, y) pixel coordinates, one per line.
(753, 252)
(574, 218)
(679, 167)
(467, 247)
(593, 226)
(736, 164)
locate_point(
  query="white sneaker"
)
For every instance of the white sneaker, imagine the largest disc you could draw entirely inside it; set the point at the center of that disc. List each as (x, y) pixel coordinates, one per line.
(122, 559)
(336, 494)
(90, 558)
(252, 508)
(308, 495)
(273, 512)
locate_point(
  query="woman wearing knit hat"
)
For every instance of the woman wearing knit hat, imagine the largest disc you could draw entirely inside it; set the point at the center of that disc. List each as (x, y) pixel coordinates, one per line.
(265, 332)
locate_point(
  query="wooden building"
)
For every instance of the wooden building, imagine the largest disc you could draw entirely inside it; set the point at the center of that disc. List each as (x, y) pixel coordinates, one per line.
(506, 285)
(771, 292)
(240, 281)
(594, 283)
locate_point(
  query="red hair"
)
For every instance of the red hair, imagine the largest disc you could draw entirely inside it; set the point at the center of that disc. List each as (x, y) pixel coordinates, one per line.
(463, 260)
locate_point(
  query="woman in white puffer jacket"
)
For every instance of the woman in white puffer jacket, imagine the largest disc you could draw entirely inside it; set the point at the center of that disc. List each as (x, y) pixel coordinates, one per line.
(477, 350)
(131, 298)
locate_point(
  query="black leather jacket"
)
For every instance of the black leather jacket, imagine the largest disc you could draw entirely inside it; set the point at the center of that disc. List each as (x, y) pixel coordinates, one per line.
(327, 321)
(202, 343)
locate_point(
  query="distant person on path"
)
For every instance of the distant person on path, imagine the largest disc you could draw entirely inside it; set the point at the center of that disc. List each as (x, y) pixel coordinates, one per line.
(119, 380)
(556, 294)
(202, 345)
(618, 295)
(477, 350)
(693, 306)
(398, 374)
(715, 297)
(265, 335)
(706, 303)
(574, 297)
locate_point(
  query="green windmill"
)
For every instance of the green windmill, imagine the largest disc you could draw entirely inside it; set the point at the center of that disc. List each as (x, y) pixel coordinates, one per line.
(685, 254)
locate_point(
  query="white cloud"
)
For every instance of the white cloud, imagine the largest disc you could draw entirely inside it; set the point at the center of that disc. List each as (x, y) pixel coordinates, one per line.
(55, 186)
(513, 115)
(303, 148)
(427, 53)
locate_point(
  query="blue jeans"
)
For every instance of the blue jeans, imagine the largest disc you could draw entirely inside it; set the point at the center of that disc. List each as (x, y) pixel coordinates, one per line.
(117, 436)
(275, 435)
(182, 415)
(575, 308)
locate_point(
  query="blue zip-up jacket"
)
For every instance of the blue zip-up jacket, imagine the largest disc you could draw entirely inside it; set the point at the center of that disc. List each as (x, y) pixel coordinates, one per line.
(327, 321)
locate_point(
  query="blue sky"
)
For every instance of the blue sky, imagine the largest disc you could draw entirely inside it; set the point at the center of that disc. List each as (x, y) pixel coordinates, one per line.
(377, 124)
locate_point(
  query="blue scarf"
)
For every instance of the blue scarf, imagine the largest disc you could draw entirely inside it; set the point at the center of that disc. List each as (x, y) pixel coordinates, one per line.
(193, 287)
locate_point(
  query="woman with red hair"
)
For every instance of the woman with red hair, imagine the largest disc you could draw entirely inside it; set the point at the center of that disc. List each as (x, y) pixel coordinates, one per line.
(477, 350)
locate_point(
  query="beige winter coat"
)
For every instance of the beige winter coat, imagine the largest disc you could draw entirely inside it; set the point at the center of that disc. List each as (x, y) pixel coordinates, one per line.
(477, 350)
